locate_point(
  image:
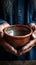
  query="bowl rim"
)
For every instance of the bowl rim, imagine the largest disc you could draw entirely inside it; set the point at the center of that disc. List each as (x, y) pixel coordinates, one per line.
(18, 36)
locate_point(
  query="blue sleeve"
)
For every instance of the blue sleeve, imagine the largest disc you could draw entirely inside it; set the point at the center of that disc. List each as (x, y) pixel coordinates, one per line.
(2, 21)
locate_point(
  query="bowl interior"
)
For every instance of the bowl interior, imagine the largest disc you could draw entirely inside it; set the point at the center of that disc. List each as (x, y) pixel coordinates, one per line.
(17, 30)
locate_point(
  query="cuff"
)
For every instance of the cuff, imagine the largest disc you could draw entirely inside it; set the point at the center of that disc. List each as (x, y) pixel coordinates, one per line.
(2, 21)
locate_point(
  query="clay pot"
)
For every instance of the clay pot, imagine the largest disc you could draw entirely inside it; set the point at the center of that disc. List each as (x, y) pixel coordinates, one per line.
(17, 35)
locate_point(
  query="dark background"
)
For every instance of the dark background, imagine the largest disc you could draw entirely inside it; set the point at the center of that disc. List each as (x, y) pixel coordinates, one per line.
(18, 11)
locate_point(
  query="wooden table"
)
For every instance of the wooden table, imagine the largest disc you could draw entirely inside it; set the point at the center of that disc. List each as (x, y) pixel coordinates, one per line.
(17, 62)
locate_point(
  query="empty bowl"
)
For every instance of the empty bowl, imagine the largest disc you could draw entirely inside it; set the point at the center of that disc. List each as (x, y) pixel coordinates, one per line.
(17, 35)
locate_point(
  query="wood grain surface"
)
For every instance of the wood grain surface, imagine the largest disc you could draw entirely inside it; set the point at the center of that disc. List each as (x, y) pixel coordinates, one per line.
(33, 62)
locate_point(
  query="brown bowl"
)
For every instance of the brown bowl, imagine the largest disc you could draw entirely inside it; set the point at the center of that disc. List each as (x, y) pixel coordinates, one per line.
(17, 35)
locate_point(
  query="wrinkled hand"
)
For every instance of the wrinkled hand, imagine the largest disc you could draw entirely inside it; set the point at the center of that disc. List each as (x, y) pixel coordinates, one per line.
(11, 49)
(8, 47)
(3, 43)
(32, 43)
(28, 47)
(2, 26)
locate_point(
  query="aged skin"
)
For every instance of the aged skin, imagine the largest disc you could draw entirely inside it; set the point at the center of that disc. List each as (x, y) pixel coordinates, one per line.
(6, 45)
(32, 43)
(11, 49)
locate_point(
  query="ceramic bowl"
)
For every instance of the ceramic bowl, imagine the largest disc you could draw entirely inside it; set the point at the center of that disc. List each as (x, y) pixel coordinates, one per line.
(17, 35)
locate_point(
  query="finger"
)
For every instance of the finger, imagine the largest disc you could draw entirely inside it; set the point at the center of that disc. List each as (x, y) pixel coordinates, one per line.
(34, 34)
(27, 47)
(1, 34)
(4, 25)
(25, 51)
(30, 44)
(9, 48)
(32, 25)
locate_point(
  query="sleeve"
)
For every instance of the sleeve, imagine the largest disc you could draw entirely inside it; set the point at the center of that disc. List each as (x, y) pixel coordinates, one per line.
(2, 21)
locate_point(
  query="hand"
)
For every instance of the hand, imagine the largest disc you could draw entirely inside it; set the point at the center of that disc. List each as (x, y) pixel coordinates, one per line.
(33, 26)
(2, 26)
(4, 44)
(8, 47)
(30, 44)
(28, 47)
